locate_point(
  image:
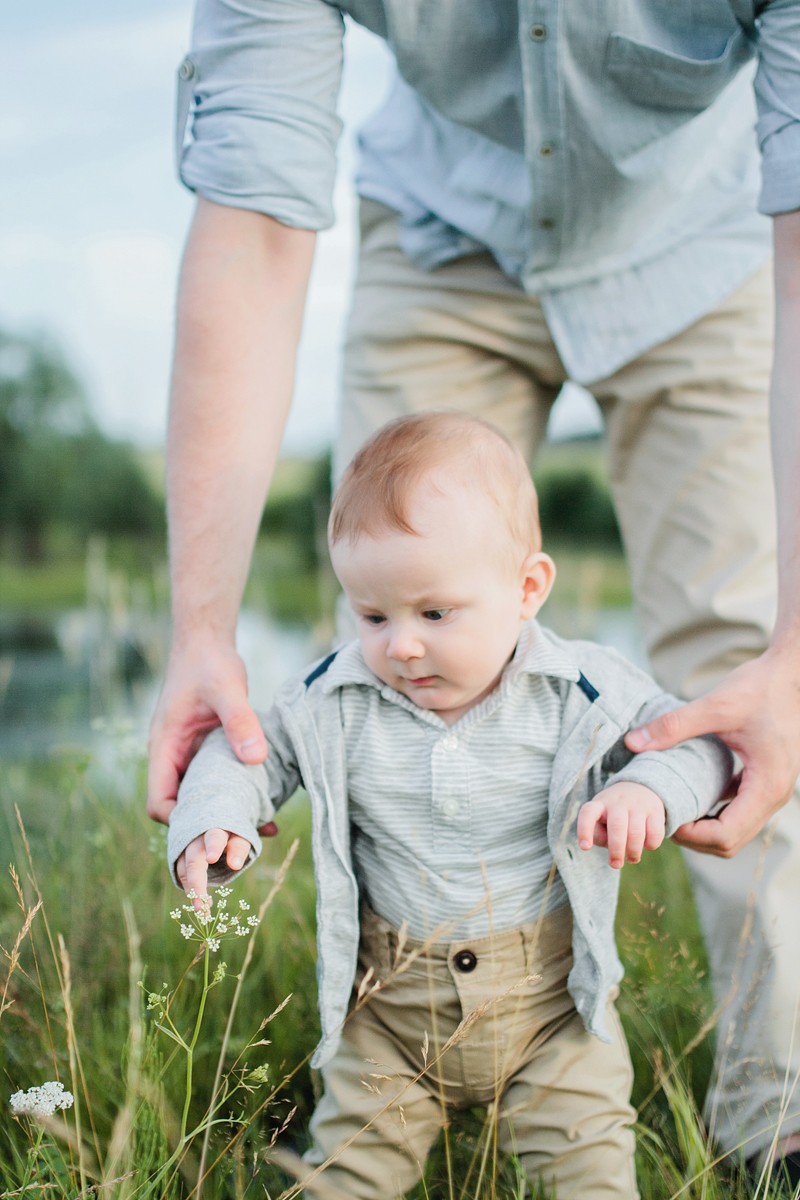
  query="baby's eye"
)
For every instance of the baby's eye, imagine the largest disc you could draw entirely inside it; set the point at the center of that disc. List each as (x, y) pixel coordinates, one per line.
(435, 614)
(373, 618)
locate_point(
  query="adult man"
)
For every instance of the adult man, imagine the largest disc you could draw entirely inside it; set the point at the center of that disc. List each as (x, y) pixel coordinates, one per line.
(549, 193)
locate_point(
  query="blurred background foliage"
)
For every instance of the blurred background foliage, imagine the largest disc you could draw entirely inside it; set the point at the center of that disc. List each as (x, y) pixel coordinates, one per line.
(63, 481)
(58, 472)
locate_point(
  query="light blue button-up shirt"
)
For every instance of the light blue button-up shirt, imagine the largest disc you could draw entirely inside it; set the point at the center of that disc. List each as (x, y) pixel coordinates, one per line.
(606, 155)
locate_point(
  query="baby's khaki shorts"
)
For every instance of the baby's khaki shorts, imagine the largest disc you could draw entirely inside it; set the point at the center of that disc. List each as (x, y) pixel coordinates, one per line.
(488, 1022)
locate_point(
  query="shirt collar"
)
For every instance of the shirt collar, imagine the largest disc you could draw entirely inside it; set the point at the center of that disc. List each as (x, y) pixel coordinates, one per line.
(537, 653)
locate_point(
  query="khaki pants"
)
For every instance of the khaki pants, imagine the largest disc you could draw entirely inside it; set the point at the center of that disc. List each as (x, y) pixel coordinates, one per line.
(687, 434)
(494, 1026)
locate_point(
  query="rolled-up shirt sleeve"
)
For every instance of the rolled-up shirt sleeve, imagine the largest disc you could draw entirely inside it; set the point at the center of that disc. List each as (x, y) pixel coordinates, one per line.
(777, 88)
(257, 125)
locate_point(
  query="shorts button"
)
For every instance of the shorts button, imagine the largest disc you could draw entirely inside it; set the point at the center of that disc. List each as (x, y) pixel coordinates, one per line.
(465, 961)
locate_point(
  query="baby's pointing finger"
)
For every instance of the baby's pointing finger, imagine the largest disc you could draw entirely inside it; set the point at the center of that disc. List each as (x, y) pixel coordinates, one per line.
(195, 877)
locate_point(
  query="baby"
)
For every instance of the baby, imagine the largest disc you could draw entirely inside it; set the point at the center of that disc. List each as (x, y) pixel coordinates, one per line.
(463, 765)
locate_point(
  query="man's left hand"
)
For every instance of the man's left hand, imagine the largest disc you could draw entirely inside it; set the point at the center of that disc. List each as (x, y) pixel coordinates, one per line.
(756, 712)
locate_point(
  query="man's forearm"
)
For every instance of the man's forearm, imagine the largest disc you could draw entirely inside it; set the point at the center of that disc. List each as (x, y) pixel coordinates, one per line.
(785, 420)
(240, 307)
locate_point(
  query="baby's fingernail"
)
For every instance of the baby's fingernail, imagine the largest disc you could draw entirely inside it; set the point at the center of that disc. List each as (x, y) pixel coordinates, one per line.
(235, 862)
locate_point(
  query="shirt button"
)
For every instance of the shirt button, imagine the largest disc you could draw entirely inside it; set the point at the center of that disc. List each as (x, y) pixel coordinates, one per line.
(546, 149)
(450, 742)
(538, 33)
(450, 807)
(186, 69)
(465, 961)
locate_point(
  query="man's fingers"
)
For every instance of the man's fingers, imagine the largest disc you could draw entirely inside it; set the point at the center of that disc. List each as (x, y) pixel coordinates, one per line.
(725, 834)
(688, 721)
(162, 785)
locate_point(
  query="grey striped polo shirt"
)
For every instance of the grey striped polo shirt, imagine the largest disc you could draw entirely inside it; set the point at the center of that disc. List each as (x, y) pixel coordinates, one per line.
(449, 822)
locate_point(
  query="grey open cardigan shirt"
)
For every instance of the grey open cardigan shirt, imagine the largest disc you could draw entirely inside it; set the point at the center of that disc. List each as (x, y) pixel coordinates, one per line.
(602, 696)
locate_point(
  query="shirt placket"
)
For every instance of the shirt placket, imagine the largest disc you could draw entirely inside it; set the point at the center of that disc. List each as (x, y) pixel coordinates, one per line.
(545, 140)
(450, 803)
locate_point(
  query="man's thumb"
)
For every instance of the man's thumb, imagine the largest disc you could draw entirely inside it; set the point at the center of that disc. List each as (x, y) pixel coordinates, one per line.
(244, 732)
(667, 730)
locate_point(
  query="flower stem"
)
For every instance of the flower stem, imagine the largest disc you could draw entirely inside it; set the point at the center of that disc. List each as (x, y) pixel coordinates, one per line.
(193, 1043)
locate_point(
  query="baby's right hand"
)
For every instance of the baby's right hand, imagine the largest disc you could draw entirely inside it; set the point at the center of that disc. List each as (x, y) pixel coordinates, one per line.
(192, 866)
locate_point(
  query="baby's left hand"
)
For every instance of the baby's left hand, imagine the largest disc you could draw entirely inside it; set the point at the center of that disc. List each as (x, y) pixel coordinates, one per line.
(626, 817)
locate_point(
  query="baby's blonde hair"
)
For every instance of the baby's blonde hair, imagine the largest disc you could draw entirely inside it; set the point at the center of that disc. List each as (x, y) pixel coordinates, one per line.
(377, 488)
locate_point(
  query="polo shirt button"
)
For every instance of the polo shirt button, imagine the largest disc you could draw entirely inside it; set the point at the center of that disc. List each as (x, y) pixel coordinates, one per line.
(538, 33)
(186, 69)
(465, 961)
(450, 742)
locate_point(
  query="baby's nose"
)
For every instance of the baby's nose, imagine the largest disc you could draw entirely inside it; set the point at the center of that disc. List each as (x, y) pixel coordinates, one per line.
(403, 645)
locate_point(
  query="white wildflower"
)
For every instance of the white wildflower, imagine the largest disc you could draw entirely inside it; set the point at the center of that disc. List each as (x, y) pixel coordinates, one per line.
(187, 931)
(252, 922)
(213, 944)
(42, 1101)
(176, 914)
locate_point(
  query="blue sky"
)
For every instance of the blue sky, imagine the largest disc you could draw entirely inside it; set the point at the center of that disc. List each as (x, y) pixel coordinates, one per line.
(92, 219)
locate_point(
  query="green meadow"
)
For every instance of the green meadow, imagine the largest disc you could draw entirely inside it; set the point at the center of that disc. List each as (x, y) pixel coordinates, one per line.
(190, 1079)
(187, 1063)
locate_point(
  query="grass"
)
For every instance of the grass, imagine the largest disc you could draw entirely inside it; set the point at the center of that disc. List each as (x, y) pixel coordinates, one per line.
(84, 917)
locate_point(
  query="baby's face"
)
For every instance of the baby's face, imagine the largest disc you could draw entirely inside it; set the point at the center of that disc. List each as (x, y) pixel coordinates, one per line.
(439, 611)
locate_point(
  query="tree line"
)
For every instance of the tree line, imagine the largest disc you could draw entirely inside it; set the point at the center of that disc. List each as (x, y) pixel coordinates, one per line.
(58, 471)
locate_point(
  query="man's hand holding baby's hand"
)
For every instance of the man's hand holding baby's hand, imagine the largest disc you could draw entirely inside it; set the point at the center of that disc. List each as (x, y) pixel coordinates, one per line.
(192, 866)
(626, 817)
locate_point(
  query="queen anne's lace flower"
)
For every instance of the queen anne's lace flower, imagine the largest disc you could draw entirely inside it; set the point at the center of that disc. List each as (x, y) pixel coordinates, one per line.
(204, 924)
(42, 1101)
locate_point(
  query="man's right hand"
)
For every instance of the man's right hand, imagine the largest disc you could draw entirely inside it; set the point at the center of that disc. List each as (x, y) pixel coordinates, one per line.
(205, 686)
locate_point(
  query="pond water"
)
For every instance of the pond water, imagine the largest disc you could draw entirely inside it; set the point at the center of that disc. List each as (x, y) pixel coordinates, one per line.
(76, 680)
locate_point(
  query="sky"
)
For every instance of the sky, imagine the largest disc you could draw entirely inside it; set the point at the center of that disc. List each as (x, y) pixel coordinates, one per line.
(92, 218)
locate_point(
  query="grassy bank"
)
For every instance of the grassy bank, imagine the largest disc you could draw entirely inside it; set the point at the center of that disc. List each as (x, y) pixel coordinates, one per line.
(85, 916)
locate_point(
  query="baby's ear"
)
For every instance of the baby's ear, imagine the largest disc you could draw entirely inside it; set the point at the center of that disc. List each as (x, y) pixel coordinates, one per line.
(538, 576)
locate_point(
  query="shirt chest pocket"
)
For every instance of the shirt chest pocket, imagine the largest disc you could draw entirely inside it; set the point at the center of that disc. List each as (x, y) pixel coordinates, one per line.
(658, 90)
